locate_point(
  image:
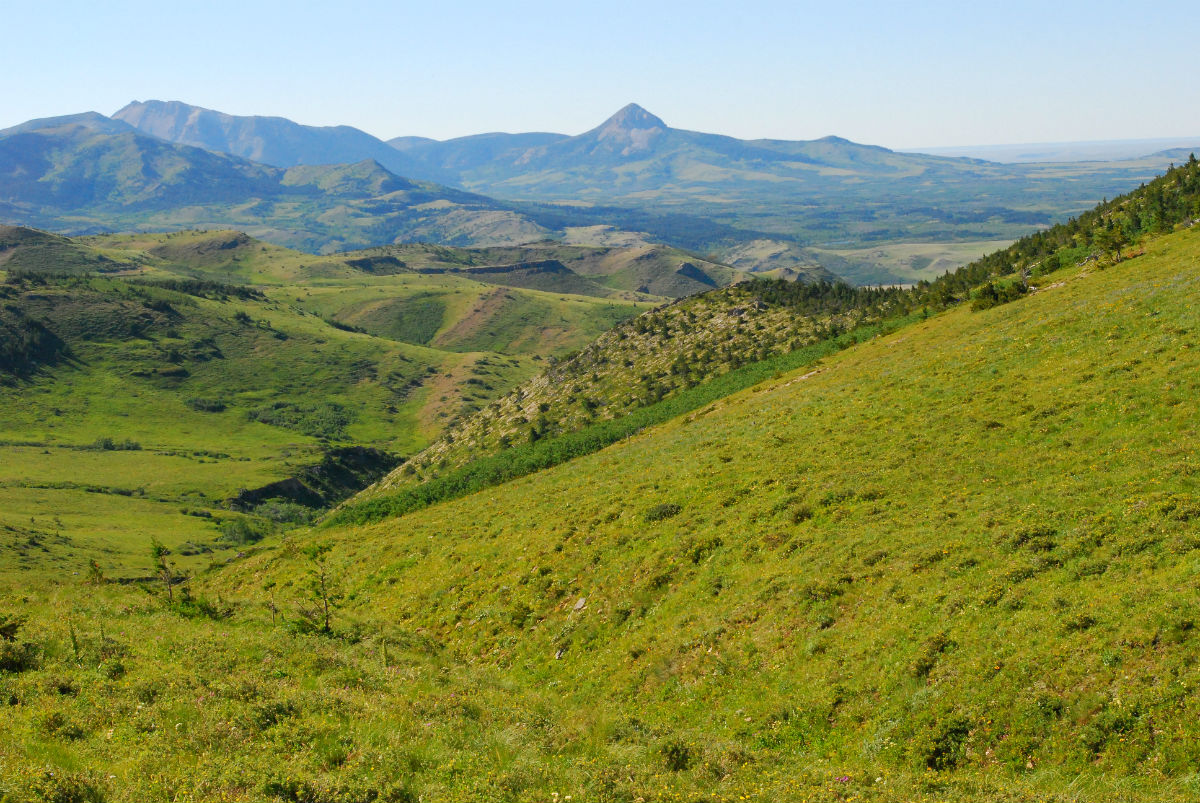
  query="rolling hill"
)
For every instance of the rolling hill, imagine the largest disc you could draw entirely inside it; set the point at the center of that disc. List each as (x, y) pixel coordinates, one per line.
(675, 359)
(164, 383)
(953, 561)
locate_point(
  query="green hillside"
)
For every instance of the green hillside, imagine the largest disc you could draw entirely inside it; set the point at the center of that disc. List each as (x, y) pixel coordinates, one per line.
(690, 353)
(946, 565)
(207, 389)
(25, 250)
(953, 562)
(631, 268)
(677, 350)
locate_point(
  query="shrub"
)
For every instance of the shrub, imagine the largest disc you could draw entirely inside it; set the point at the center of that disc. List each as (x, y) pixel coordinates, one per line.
(930, 652)
(62, 786)
(284, 512)
(60, 726)
(943, 748)
(10, 625)
(15, 656)
(319, 420)
(663, 511)
(206, 405)
(107, 444)
(676, 755)
(993, 294)
(241, 531)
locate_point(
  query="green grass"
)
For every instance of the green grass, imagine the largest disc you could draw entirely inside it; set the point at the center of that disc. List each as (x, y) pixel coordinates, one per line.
(952, 564)
(216, 384)
(523, 459)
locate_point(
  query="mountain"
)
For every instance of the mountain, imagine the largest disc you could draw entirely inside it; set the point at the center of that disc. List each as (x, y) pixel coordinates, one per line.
(634, 152)
(1110, 150)
(704, 192)
(468, 153)
(784, 196)
(71, 163)
(86, 173)
(91, 121)
(1179, 155)
(270, 140)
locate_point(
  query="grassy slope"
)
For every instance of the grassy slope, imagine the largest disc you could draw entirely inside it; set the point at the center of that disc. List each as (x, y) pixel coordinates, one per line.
(125, 388)
(952, 564)
(68, 505)
(638, 363)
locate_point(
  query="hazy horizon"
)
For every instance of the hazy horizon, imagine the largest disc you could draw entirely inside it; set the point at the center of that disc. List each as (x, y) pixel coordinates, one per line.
(943, 73)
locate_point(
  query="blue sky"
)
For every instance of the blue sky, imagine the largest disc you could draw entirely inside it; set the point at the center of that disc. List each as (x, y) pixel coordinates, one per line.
(895, 74)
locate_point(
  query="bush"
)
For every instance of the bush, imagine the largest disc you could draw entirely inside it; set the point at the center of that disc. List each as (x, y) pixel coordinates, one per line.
(663, 511)
(284, 512)
(930, 652)
(241, 531)
(993, 294)
(320, 420)
(107, 444)
(60, 726)
(14, 656)
(62, 786)
(206, 405)
(676, 755)
(944, 746)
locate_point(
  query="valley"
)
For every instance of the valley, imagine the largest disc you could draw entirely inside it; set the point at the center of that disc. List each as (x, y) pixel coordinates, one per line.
(150, 383)
(859, 577)
(637, 465)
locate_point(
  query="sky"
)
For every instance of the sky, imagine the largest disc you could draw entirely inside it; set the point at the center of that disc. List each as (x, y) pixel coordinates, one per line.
(898, 74)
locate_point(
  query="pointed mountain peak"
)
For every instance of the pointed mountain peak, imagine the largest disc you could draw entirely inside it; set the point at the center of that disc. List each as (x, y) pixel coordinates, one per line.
(632, 117)
(629, 131)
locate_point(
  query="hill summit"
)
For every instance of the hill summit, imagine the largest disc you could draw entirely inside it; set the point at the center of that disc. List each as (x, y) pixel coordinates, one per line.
(630, 130)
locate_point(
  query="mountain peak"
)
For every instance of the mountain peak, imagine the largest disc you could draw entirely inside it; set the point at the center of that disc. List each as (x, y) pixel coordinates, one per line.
(631, 117)
(629, 131)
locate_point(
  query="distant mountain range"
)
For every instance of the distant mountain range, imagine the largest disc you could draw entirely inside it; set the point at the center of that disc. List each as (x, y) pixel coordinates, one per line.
(270, 140)
(634, 152)
(1102, 151)
(819, 192)
(89, 173)
(756, 204)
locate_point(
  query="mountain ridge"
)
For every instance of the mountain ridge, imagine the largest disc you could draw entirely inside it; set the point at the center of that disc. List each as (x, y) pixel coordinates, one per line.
(85, 173)
(276, 141)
